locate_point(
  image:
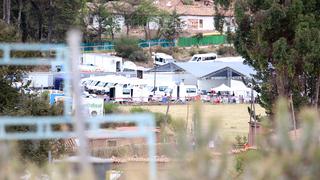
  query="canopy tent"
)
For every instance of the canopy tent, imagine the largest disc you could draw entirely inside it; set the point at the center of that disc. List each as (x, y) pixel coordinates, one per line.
(222, 87)
(239, 86)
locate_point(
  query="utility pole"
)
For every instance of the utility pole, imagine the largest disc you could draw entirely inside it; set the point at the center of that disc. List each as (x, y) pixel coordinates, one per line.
(154, 80)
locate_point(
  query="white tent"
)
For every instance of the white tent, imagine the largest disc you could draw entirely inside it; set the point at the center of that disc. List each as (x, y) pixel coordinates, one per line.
(222, 87)
(239, 86)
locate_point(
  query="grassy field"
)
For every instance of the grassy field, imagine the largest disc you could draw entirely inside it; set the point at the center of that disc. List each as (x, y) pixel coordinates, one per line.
(232, 118)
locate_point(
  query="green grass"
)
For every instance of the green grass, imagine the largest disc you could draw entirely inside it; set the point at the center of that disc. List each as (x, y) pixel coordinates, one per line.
(232, 118)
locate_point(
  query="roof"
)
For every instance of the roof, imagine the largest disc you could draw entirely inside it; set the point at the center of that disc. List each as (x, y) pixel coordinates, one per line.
(206, 54)
(169, 67)
(205, 69)
(222, 87)
(202, 8)
(100, 54)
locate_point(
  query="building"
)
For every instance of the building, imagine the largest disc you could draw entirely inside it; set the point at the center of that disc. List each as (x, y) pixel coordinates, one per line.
(198, 17)
(205, 75)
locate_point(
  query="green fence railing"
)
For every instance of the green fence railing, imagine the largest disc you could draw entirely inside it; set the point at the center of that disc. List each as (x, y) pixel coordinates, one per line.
(182, 42)
(206, 40)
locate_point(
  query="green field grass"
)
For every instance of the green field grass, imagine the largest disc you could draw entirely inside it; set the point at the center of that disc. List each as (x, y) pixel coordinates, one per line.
(232, 118)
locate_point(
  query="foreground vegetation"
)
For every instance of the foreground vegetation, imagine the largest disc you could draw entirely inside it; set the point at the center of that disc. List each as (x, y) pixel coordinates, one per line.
(284, 157)
(233, 118)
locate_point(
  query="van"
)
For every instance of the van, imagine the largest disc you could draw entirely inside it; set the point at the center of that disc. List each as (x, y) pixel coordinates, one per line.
(162, 58)
(204, 57)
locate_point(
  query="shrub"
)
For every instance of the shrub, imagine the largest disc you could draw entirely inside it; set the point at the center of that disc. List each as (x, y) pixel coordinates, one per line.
(226, 51)
(111, 108)
(126, 46)
(163, 50)
(139, 56)
(187, 2)
(160, 117)
(193, 51)
(202, 51)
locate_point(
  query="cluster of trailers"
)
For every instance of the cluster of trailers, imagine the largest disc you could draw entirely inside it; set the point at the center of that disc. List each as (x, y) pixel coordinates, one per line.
(123, 89)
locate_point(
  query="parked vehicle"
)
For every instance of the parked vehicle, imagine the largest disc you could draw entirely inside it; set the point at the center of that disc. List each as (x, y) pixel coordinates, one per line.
(162, 58)
(101, 62)
(204, 57)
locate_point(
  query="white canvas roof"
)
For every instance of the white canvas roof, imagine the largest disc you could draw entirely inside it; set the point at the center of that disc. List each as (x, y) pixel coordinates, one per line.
(222, 87)
(239, 86)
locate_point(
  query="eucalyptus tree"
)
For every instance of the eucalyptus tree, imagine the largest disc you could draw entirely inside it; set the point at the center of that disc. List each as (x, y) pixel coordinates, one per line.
(280, 40)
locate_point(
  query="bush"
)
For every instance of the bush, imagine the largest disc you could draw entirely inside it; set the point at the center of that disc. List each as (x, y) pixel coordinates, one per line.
(193, 51)
(138, 56)
(163, 50)
(187, 2)
(126, 46)
(202, 51)
(226, 51)
(111, 108)
(160, 117)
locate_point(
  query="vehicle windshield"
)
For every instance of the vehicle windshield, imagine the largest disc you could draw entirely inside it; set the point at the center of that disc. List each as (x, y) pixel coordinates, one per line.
(101, 84)
(191, 90)
(93, 83)
(194, 58)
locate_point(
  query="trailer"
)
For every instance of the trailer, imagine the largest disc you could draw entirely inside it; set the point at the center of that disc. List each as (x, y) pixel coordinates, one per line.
(41, 80)
(103, 62)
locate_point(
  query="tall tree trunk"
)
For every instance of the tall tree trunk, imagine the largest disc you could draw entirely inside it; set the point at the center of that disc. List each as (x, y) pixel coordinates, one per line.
(146, 36)
(4, 5)
(40, 19)
(316, 100)
(50, 21)
(280, 82)
(100, 32)
(24, 28)
(6, 11)
(40, 28)
(112, 34)
(19, 13)
(128, 29)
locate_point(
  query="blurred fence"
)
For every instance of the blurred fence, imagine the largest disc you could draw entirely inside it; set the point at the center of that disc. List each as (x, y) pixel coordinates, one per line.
(109, 46)
(181, 42)
(204, 41)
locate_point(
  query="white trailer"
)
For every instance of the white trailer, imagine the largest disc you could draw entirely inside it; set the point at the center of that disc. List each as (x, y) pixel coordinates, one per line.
(41, 80)
(103, 62)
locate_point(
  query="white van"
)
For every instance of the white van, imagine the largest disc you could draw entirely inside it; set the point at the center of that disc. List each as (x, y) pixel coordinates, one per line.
(162, 58)
(204, 57)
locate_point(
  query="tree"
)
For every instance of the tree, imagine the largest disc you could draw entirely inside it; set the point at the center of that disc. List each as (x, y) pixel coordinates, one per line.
(220, 6)
(39, 20)
(32, 105)
(6, 11)
(107, 23)
(145, 12)
(14, 103)
(126, 8)
(280, 40)
(173, 26)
